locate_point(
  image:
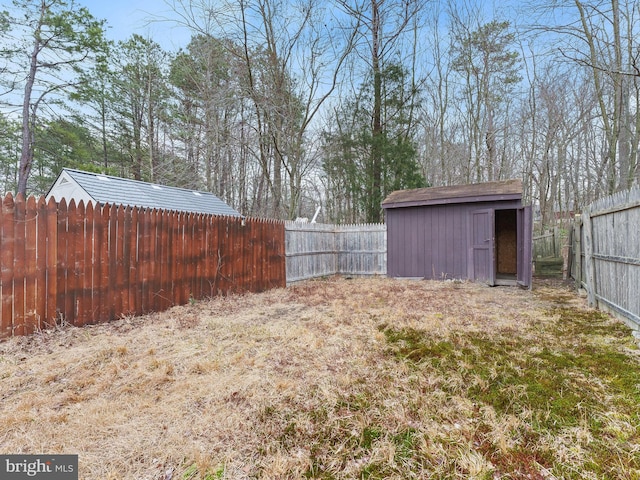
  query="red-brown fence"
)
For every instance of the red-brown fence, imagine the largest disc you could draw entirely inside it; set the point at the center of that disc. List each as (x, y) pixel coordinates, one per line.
(83, 265)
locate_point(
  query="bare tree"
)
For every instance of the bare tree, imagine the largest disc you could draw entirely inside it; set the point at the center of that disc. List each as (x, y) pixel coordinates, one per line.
(602, 37)
(440, 151)
(489, 66)
(292, 54)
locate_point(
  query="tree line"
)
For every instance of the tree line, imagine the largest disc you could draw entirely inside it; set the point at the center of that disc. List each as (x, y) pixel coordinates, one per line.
(280, 106)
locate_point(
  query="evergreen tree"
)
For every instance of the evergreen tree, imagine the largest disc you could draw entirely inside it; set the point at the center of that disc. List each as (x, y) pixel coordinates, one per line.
(63, 143)
(362, 166)
(141, 94)
(490, 70)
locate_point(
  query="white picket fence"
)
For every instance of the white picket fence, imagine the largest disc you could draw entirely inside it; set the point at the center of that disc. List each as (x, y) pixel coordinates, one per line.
(316, 250)
(606, 246)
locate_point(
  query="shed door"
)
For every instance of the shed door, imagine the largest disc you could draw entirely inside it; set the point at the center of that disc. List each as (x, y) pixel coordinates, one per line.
(525, 240)
(482, 246)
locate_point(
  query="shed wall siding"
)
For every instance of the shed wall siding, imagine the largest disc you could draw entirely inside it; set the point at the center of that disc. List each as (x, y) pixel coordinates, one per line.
(432, 241)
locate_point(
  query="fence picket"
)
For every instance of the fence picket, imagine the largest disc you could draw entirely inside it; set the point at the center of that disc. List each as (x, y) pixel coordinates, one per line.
(39, 239)
(201, 260)
(102, 233)
(159, 263)
(62, 309)
(186, 263)
(79, 252)
(259, 265)
(112, 266)
(184, 260)
(132, 270)
(179, 252)
(167, 242)
(51, 262)
(19, 317)
(150, 260)
(236, 255)
(214, 241)
(253, 258)
(174, 245)
(124, 241)
(222, 283)
(6, 264)
(30, 251)
(118, 260)
(90, 266)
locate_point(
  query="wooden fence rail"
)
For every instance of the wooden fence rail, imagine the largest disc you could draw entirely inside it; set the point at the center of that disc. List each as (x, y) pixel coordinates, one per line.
(316, 250)
(82, 265)
(606, 249)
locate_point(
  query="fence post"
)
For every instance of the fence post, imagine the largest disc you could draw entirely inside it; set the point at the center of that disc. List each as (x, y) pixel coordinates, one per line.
(589, 266)
(577, 250)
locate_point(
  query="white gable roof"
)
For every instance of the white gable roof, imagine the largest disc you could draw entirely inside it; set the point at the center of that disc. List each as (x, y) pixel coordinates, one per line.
(97, 188)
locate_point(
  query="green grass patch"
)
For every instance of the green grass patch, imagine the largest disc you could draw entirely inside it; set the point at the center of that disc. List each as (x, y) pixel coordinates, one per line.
(193, 472)
(405, 443)
(571, 375)
(369, 436)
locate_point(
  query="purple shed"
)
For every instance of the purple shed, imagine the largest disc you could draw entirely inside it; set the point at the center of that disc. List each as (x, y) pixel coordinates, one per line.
(479, 232)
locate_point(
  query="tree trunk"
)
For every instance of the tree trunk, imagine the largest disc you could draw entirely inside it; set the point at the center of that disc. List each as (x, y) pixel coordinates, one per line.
(28, 121)
(103, 133)
(151, 135)
(375, 198)
(490, 139)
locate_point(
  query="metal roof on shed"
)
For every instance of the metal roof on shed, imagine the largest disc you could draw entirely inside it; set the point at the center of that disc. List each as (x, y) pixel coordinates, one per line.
(121, 191)
(475, 192)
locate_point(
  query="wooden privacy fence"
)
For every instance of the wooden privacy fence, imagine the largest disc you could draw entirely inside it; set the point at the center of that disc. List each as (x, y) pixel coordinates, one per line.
(549, 252)
(548, 244)
(316, 250)
(85, 265)
(606, 252)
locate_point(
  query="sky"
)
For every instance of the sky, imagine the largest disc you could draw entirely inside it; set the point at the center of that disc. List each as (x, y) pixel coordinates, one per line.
(126, 17)
(145, 17)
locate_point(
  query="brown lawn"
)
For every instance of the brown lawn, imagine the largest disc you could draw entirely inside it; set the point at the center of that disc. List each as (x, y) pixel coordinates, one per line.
(346, 379)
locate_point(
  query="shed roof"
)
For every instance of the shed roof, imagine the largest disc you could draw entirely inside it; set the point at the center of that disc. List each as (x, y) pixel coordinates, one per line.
(475, 192)
(121, 191)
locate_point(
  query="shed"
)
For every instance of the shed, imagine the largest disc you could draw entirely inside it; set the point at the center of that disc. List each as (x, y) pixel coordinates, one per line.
(102, 189)
(479, 232)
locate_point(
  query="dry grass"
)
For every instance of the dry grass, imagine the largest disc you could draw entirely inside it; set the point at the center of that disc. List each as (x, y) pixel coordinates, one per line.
(366, 378)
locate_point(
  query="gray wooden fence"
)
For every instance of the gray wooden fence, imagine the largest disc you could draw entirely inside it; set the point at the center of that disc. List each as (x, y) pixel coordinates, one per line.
(548, 245)
(606, 248)
(315, 250)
